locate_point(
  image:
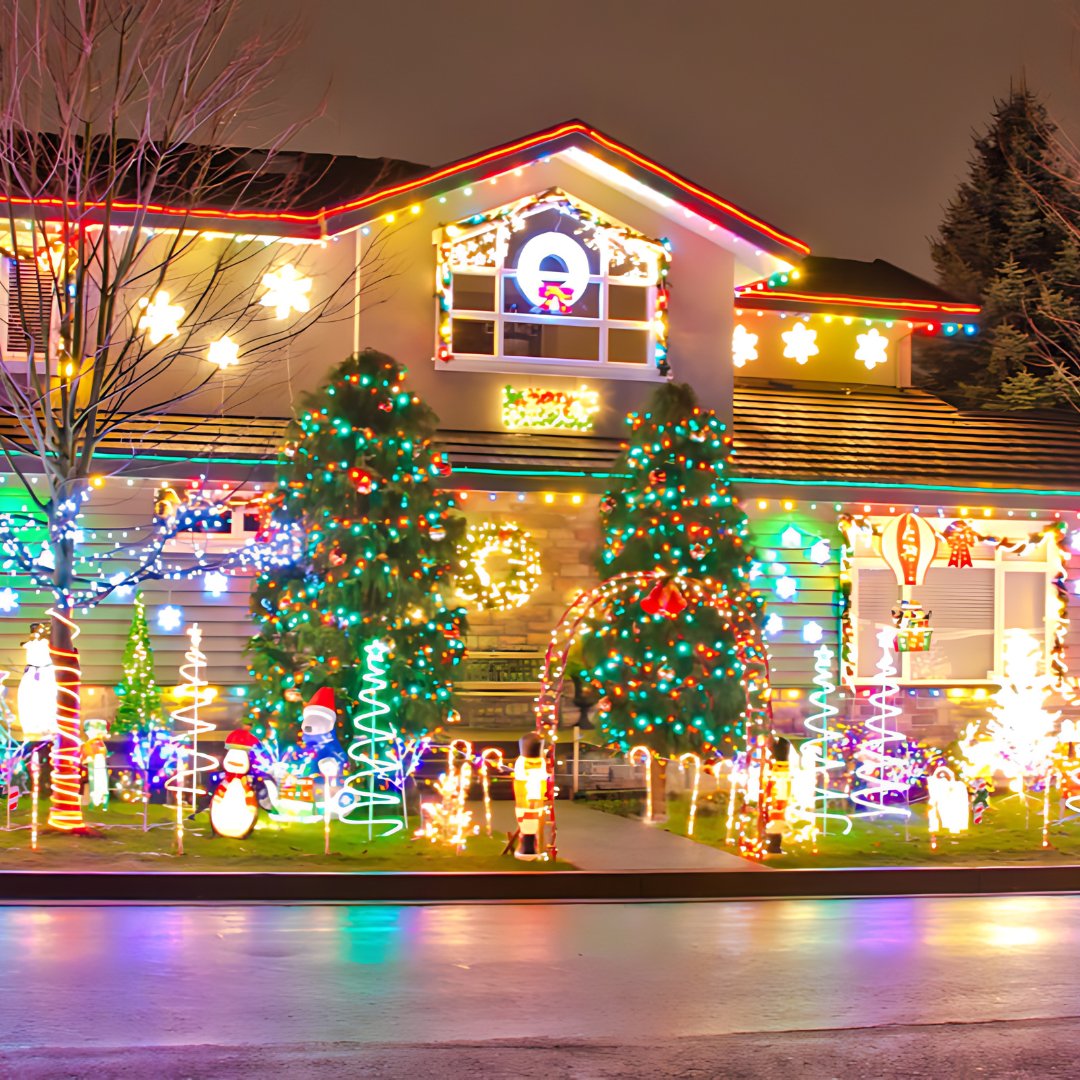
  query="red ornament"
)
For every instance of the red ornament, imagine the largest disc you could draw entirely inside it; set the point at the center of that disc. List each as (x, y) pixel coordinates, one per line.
(440, 465)
(386, 406)
(608, 503)
(362, 480)
(961, 537)
(664, 599)
(337, 557)
(658, 477)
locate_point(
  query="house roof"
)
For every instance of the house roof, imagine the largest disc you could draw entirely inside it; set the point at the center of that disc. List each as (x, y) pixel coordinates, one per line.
(335, 194)
(848, 286)
(799, 434)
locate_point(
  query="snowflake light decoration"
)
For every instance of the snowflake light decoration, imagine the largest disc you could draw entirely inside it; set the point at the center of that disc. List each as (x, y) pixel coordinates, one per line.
(159, 318)
(216, 583)
(743, 346)
(774, 624)
(786, 587)
(872, 348)
(811, 633)
(286, 291)
(9, 600)
(224, 352)
(791, 537)
(819, 553)
(800, 343)
(170, 618)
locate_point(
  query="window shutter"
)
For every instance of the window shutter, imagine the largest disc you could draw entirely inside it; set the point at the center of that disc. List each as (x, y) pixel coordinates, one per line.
(958, 599)
(29, 308)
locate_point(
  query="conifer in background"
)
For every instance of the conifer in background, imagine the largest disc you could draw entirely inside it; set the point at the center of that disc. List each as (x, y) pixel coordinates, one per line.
(138, 697)
(358, 482)
(1004, 243)
(669, 677)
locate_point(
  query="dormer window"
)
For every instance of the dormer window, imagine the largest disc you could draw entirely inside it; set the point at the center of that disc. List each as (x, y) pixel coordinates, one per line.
(548, 285)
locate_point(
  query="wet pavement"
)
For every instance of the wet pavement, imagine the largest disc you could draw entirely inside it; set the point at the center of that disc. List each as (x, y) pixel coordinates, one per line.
(863, 988)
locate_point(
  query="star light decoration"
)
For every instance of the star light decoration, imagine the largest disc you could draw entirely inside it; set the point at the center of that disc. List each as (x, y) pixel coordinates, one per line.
(286, 291)
(743, 346)
(9, 600)
(159, 318)
(800, 343)
(872, 348)
(170, 618)
(224, 352)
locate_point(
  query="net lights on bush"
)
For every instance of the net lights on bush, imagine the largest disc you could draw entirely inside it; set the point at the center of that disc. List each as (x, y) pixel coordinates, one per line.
(499, 566)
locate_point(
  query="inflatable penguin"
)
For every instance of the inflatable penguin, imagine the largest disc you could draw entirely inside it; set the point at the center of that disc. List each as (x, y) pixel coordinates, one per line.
(234, 808)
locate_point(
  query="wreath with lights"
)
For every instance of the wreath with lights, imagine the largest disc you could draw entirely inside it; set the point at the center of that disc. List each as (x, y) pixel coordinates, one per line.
(475, 581)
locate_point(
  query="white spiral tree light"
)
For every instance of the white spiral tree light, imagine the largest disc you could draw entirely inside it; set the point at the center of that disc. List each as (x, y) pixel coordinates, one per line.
(820, 745)
(374, 795)
(195, 694)
(878, 766)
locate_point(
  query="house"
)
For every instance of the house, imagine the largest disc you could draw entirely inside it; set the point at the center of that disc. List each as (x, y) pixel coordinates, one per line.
(537, 292)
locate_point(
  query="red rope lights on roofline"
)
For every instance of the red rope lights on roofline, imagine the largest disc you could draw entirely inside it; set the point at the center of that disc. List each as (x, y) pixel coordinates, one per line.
(748, 295)
(316, 218)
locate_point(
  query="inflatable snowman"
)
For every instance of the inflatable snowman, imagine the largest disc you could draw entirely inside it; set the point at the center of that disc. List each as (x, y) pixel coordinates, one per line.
(36, 699)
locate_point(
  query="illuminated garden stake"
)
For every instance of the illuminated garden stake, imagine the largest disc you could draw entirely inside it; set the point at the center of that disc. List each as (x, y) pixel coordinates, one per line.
(373, 795)
(685, 760)
(875, 759)
(35, 790)
(817, 723)
(447, 818)
(196, 693)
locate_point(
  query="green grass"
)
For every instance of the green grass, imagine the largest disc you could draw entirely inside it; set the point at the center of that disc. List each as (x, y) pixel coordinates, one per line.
(1004, 838)
(119, 843)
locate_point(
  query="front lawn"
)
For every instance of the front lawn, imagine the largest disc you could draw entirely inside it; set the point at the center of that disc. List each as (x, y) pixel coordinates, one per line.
(1005, 838)
(119, 843)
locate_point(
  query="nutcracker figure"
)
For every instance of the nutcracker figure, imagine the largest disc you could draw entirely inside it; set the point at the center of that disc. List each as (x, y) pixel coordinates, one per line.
(95, 761)
(531, 780)
(777, 796)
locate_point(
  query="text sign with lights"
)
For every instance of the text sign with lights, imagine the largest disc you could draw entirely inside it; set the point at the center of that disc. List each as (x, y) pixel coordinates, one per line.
(535, 407)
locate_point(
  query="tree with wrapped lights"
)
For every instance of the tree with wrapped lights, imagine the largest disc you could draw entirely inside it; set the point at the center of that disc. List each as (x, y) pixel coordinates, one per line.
(358, 484)
(666, 660)
(138, 696)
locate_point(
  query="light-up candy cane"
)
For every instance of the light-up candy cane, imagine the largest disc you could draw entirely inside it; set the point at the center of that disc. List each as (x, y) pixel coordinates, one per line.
(35, 780)
(691, 759)
(638, 751)
(181, 753)
(490, 758)
(329, 769)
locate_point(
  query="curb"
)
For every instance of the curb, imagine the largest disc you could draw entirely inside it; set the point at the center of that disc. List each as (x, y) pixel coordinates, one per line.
(33, 886)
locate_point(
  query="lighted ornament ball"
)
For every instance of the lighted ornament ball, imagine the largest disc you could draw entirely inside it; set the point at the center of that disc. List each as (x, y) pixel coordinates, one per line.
(608, 504)
(697, 551)
(440, 465)
(362, 480)
(658, 477)
(437, 533)
(666, 673)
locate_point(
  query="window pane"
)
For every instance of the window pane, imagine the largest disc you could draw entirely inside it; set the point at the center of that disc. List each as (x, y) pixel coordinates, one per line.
(627, 302)
(961, 607)
(628, 346)
(554, 340)
(473, 336)
(474, 293)
(551, 221)
(1024, 606)
(876, 595)
(557, 300)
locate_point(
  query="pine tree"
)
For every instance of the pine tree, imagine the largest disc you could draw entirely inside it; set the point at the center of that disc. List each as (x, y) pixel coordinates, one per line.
(1001, 245)
(672, 683)
(139, 699)
(357, 484)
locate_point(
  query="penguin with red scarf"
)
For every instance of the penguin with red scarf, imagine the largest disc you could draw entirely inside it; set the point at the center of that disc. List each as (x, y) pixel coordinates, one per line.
(234, 808)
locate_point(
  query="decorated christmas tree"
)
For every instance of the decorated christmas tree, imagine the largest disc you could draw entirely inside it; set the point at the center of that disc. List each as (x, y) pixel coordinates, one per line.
(138, 697)
(357, 483)
(666, 662)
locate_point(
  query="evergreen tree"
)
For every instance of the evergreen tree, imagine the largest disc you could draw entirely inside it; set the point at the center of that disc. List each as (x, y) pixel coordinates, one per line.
(671, 679)
(1003, 244)
(357, 485)
(139, 699)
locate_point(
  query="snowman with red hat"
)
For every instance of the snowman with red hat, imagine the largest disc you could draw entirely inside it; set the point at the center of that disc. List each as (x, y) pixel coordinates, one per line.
(234, 808)
(320, 735)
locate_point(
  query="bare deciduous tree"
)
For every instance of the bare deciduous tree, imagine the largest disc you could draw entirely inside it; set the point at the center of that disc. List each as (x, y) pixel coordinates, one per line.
(117, 120)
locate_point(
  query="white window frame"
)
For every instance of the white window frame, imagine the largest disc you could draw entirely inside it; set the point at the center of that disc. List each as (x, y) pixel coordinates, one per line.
(1046, 566)
(509, 364)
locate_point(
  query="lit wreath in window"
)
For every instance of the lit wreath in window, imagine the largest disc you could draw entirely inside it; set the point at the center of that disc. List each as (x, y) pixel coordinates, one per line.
(499, 567)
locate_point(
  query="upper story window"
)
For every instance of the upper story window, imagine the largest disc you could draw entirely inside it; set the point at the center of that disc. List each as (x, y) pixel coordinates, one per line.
(547, 284)
(27, 311)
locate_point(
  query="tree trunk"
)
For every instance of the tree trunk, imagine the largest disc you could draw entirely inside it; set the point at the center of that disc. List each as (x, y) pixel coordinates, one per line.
(658, 777)
(65, 811)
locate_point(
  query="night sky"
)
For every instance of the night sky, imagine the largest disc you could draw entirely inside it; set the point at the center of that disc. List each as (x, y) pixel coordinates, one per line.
(845, 122)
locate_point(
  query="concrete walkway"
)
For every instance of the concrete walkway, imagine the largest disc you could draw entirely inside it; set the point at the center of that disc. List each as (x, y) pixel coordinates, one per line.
(594, 840)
